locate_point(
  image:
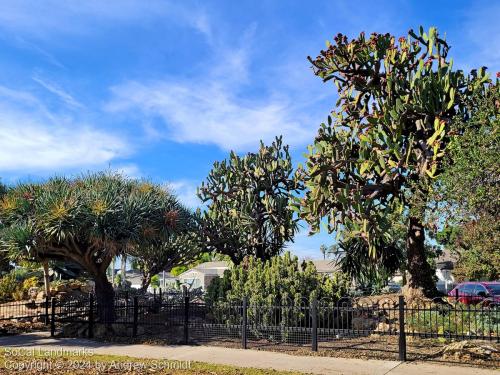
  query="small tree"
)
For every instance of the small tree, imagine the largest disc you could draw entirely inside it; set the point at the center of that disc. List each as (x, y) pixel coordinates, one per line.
(383, 145)
(248, 203)
(87, 220)
(177, 250)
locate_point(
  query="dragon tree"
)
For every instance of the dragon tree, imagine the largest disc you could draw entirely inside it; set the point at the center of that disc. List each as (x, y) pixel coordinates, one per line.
(88, 220)
(383, 144)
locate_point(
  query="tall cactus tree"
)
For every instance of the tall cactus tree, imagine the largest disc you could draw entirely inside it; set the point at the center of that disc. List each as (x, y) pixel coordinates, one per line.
(248, 202)
(384, 142)
(87, 220)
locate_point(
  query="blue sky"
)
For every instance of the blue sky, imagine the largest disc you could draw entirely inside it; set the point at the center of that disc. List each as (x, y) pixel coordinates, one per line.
(162, 89)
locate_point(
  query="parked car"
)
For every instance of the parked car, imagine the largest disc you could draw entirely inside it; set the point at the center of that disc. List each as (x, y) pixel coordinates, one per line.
(472, 293)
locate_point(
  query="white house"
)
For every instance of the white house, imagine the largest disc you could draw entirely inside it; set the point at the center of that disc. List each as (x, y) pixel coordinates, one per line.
(444, 267)
(166, 280)
(325, 266)
(202, 275)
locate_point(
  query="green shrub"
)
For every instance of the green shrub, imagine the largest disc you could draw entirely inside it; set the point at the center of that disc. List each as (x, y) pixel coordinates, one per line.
(280, 279)
(155, 281)
(30, 282)
(8, 285)
(18, 294)
(461, 319)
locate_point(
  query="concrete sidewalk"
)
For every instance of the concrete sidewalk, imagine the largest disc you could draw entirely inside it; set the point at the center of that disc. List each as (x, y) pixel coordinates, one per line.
(242, 358)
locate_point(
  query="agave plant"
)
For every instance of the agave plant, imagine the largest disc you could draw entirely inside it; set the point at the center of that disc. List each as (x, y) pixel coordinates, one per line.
(88, 220)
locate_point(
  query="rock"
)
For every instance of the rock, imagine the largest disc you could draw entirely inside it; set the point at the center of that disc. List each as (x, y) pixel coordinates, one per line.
(87, 289)
(363, 324)
(32, 292)
(461, 349)
(74, 285)
(40, 296)
(62, 288)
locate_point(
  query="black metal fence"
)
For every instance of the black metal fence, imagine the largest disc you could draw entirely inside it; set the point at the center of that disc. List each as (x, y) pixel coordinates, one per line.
(317, 325)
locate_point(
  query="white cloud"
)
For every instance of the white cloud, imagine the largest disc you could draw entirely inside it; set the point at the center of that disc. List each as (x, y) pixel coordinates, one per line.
(58, 91)
(211, 113)
(33, 138)
(128, 170)
(186, 192)
(212, 107)
(45, 19)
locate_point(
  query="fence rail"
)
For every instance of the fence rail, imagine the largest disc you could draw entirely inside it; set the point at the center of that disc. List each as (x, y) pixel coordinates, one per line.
(245, 323)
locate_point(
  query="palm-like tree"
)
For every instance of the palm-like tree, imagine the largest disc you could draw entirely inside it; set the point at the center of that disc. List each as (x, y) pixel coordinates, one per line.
(88, 220)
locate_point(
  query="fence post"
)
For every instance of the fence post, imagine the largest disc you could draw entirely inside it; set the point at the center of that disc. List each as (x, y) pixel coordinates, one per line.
(126, 306)
(154, 294)
(314, 328)
(402, 333)
(159, 294)
(91, 316)
(136, 316)
(47, 320)
(456, 294)
(186, 319)
(53, 317)
(244, 324)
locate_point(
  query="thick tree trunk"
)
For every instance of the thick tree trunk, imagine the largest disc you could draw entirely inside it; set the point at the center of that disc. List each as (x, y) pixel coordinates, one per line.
(146, 280)
(123, 279)
(46, 277)
(422, 276)
(105, 298)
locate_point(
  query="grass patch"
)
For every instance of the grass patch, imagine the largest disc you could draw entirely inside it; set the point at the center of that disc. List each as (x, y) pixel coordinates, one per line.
(26, 361)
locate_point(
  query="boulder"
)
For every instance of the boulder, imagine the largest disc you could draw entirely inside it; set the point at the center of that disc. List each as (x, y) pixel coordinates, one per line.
(363, 324)
(32, 292)
(40, 296)
(466, 349)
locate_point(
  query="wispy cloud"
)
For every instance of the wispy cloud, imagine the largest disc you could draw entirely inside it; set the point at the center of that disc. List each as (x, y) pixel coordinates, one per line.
(212, 106)
(211, 113)
(129, 170)
(35, 139)
(185, 190)
(45, 19)
(58, 91)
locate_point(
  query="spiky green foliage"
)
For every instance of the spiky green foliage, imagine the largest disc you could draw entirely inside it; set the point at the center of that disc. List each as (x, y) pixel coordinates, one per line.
(248, 203)
(88, 220)
(4, 256)
(383, 144)
(279, 279)
(179, 249)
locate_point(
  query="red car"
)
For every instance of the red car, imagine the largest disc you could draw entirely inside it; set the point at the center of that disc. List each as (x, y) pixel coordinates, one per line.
(474, 292)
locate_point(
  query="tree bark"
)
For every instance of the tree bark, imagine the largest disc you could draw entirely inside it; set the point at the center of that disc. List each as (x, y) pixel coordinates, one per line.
(46, 277)
(123, 279)
(422, 276)
(146, 280)
(105, 298)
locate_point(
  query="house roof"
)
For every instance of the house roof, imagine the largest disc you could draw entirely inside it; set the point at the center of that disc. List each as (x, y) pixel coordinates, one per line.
(212, 265)
(325, 265)
(209, 268)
